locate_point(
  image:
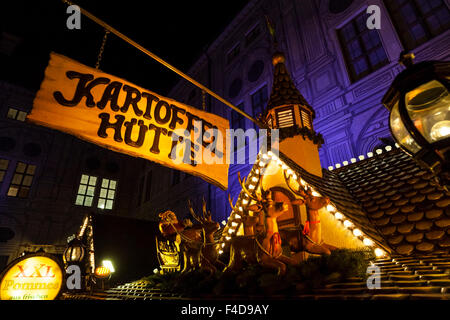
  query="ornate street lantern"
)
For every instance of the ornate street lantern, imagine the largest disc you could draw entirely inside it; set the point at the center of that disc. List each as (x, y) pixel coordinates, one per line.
(419, 105)
(74, 252)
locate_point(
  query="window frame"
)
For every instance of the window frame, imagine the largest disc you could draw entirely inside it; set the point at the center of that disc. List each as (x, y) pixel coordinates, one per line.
(21, 185)
(348, 60)
(402, 27)
(108, 189)
(84, 195)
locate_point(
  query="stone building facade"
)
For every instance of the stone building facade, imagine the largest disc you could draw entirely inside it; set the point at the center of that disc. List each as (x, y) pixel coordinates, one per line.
(340, 66)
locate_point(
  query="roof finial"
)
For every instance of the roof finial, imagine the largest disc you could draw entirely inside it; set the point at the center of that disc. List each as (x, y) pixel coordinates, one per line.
(271, 27)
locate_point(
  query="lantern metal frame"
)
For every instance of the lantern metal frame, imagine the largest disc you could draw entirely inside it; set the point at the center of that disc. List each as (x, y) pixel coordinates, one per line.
(71, 245)
(433, 155)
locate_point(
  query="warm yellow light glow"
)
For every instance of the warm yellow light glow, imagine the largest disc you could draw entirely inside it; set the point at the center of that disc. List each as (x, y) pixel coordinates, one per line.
(255, 179)
(251, 187)
(339, 216)
(265, 156)
(368, 242)
(294, 177)
(234, 224)
(261, 164)
(315, 194)
(347, 224)
(108, 264)
(222, 244)
(230, 231)
(289, 172)
(237, 216)
(331, 208)
(32, 278)
(224, 222)
(102, 272)
(245, 201)
(379, 252)
(220, 252)
(227, 238)
(357, 233)
(440, 130)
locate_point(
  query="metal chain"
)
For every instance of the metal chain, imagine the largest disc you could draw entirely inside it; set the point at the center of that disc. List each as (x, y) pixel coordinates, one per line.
(203, 100)
(102, 48)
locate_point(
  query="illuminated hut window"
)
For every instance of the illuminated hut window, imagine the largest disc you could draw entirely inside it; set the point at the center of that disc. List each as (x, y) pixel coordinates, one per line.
(285, 117)
(21, 181)
(16, 114)
(306, 119)
(86, 190)
(3, 167)
(107, 194)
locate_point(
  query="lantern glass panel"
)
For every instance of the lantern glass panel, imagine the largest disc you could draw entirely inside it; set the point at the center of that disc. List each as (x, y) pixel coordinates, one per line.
(428, 107)
(400, 132)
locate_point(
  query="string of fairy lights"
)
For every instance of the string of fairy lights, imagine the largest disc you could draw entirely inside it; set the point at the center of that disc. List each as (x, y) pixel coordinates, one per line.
(263, 160)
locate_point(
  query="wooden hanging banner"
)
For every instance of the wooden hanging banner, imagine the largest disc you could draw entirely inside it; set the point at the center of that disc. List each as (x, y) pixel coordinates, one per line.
(118, 115)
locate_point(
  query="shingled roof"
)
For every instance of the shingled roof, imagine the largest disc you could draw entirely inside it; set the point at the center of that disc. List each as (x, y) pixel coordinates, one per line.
(392, 199)
(283, 89)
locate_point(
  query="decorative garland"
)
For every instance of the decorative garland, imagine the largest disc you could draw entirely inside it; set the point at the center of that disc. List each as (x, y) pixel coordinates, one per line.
(293, 131)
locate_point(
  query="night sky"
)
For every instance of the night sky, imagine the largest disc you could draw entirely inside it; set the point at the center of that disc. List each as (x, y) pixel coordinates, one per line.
(176, 31)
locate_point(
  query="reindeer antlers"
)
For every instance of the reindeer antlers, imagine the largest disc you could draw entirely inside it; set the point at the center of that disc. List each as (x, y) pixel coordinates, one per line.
(251, 195)
(301, 192)
(206, 215)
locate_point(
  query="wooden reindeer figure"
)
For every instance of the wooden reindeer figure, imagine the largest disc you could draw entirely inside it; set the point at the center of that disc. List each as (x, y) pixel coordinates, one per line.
(207, 254)
(270, 253)
(312, 231)
(243, 248)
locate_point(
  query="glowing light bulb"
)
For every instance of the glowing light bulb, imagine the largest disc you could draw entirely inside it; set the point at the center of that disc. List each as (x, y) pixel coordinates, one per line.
(237, 216)
(251, 187)
(353, 160)
(261, 164)
(294, 177)
(222, 244)
(245, 201)
(265, 156)
(368, 242)
(230, 231)
(379, 252)
(339, 216)
(379, 151)
(440, 130)
(220, 251)
(224, 222)
(345, 163)
(289, 172)
(361, 157)
(330, 168)
(255, 179)
(331, 208)
(338, 165)
(227, 238)
(234, 224)
(347, 224)
(357, 233)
